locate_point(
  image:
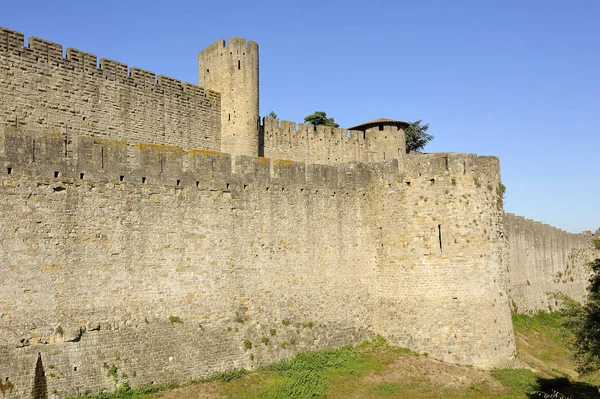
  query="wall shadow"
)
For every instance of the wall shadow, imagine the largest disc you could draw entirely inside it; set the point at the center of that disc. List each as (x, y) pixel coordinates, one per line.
(549, 387)
(40, 386)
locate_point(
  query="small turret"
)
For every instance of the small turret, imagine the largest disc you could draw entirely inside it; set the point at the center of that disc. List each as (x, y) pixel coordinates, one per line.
(386, 139)
(232, 70)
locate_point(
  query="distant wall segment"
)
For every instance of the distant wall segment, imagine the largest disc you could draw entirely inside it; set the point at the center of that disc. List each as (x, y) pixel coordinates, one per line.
(321, 144)
(543, 260)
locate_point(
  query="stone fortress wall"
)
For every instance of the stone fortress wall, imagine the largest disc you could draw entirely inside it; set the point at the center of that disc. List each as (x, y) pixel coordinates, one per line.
(98, 257)
(544, 260)
(321, 144)
(161, 255)
(41, 91)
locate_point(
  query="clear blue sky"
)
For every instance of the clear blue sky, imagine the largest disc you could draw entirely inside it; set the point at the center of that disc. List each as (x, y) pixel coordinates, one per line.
(518, 79)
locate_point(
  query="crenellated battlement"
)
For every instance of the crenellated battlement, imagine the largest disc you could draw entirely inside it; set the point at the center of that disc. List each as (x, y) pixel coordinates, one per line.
(51, 54)
(322, 144)
(45, 156)
(235, 46)
(84, 96)
(418, 165)
(56, 156)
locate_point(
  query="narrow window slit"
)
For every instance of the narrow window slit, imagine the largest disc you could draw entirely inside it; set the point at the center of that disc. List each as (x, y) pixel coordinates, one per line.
(440, 237)
(56, 174)
(143, 180)
(33, 152)
(197, 184)
(121, 178)
(81, 176)
(178, 182)
(9, 171)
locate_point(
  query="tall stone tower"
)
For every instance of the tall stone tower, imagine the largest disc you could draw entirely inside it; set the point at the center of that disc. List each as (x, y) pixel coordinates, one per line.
(232, 70)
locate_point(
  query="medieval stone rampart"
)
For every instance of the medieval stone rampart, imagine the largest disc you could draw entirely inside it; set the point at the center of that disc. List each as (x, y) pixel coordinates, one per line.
(42, 91)
(106, 250)
(544, 260)
(129, 239)
(321, 144)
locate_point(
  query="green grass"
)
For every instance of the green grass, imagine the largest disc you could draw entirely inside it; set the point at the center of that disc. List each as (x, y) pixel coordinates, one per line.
(305, 375)
(225, 376)
(541, 342)
(520, 380)
(386, 388)
(538, 322)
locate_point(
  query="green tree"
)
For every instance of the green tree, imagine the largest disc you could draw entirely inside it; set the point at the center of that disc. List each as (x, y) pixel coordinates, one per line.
(272, 115)
(417, 136)
(320, 118)
(584, 322)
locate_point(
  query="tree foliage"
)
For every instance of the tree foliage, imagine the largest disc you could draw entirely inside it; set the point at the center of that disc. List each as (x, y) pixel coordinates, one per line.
(417, 136)
(584, 323)
(320, 118)
(272, 115)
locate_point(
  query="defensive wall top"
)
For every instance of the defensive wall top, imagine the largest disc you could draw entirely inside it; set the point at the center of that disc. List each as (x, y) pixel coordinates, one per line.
(534, 223)
(285, 127)
(45, 156)
(12, 43)
(234, 46)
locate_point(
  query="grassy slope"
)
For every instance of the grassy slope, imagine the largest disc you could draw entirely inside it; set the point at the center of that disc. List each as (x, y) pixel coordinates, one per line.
(377, 370)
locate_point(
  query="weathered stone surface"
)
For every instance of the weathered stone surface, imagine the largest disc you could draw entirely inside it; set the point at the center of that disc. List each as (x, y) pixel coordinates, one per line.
(544, 260)
(41, 91)
(131, 238)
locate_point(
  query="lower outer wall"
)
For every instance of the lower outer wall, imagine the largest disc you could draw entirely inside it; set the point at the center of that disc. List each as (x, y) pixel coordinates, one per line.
(156, 352)
(320, 265)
